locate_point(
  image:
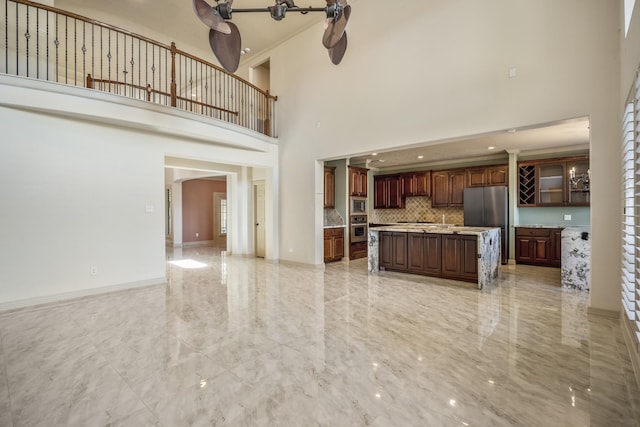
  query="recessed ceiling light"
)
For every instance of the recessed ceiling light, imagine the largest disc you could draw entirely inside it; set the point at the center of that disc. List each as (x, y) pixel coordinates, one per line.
(381, 161)
(512, 130)
(374, 154)
(421, 156)
(491, 148)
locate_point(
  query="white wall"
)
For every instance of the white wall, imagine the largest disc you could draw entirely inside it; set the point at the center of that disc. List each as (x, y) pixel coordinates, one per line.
(438, 70)
(79, 174)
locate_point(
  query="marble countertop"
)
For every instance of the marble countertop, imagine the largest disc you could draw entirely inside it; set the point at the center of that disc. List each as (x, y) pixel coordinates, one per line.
(334, 226)
(540, 226)
(434, 228)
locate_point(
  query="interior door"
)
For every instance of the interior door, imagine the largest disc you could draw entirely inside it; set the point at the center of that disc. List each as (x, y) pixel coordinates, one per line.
(220, 220)
(258, 190)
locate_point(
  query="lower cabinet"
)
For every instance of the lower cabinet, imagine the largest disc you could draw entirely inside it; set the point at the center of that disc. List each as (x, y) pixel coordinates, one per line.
(441, 255)
(460, 256)
(333, 244)
(539, 246)
(393, 250)
(424, 253)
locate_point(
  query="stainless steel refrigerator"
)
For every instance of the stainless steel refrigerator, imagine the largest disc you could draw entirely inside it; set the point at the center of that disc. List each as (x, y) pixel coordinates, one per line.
(488, 207)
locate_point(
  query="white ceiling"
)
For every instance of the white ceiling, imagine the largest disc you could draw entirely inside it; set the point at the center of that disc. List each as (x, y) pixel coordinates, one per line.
(176, 21)
(170, 20)
(565, 136)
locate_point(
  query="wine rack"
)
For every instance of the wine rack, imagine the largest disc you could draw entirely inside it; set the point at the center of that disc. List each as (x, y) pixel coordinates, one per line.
(527, 185)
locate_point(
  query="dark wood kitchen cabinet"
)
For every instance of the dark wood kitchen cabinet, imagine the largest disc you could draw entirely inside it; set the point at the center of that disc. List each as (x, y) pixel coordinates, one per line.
(546, 182)
(498, 175)
(416, 183)
(387, 192)
(451, 256)
(333, 244)
(329, 187)
(440, 189)
(487, 176)
(447, 189)
(460, 257)
(358, 181)
(424, 253)
(393, 250)
(539, 246)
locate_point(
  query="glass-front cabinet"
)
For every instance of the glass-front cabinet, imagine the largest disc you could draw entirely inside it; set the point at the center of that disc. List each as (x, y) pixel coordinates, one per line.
(551, 184)
(554, 182)
(579, 180)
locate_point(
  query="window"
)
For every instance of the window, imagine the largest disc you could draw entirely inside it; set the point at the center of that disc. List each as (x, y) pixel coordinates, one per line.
(630, 280)
(628, 12)
(223, 217)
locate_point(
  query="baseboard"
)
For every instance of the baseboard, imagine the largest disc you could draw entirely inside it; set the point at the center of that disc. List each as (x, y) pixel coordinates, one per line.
(601, 312)
(198, 243)
(79, 294)
(632, 348)
(300, 264)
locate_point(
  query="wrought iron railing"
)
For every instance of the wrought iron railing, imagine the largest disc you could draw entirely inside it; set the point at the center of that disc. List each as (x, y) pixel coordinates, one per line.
(46, 43)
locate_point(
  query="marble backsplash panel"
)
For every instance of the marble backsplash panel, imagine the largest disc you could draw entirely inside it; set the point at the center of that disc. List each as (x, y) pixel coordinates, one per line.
(332, 217)
(418, 209)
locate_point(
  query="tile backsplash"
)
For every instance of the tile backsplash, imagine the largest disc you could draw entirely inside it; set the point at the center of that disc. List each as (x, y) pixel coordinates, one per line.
(418, 209)
(332, 217)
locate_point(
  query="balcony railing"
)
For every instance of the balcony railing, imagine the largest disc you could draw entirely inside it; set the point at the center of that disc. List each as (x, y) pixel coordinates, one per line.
(50, 44)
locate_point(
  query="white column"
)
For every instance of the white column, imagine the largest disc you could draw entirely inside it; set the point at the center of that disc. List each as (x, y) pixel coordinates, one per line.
(514, 215)
(272, 228)
(176, 217)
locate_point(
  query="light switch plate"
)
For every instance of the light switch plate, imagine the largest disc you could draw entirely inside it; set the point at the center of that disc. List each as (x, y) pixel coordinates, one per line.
(567, 217)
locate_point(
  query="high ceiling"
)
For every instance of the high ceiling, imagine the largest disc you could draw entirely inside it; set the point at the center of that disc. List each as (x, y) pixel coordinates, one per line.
(170, 20)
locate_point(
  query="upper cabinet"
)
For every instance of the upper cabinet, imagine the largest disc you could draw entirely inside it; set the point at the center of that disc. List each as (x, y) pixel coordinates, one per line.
(357, 181)
(488, 176)
(554, 182)
(329, 187)
(447, 188)
(388, 191)
(417, 183)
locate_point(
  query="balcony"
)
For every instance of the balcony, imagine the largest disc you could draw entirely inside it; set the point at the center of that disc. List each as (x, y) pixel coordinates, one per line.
(45, 43)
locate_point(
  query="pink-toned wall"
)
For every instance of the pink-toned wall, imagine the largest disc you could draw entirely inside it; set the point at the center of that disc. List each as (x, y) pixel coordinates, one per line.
(197, 208)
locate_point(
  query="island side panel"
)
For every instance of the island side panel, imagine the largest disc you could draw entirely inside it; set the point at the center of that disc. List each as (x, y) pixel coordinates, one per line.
(576, 254)
(489, 259)
(373, 261)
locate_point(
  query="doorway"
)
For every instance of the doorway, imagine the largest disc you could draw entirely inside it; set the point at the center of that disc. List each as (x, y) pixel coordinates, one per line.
(220, 219)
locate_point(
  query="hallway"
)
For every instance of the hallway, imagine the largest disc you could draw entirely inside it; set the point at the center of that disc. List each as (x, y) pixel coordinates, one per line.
(245, 342)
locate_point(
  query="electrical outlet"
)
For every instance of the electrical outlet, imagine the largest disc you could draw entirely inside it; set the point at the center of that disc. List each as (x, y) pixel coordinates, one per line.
(93, 271)
(197, 234)
(567, 217)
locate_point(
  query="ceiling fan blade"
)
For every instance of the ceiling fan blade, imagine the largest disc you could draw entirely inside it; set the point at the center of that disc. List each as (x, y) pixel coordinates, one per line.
(337, 52)
(210, 17)
(334, 31)
(227, 47)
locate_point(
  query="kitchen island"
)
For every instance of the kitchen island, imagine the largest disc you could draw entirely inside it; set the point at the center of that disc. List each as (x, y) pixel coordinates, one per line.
(470, 254)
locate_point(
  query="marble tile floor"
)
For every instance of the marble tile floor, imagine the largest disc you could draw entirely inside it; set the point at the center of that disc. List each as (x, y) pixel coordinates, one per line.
(245, 342)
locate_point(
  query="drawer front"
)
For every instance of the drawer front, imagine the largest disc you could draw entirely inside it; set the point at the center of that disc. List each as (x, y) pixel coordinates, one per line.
(338, 232)
(328, 232)
(534, 232)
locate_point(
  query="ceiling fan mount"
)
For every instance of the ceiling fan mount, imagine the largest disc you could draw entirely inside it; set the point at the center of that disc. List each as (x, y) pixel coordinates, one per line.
(224, 36)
